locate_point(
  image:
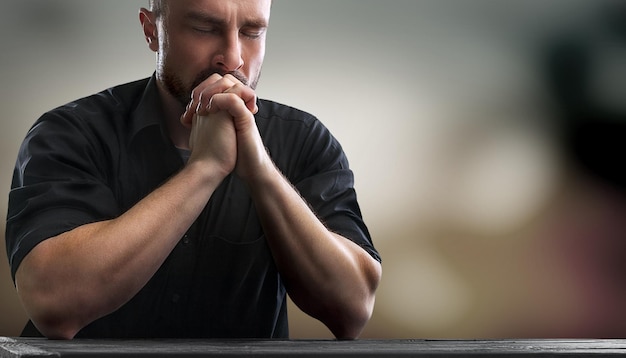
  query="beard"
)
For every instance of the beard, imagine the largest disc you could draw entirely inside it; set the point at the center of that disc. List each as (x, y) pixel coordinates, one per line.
(182, 92)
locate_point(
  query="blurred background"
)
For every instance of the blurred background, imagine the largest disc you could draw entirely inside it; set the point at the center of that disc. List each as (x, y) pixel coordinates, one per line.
(484, 135)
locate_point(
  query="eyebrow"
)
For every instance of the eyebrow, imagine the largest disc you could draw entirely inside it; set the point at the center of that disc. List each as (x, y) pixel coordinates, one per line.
(209, 19)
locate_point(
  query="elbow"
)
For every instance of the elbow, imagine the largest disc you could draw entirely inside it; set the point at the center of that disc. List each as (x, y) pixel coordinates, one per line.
(50, 321)
(61, 335)
(356, 316)
(350, 324)
(52, 317)
(56, 331)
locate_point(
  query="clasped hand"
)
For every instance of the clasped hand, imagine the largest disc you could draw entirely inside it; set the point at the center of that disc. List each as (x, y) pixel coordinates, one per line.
(223, 130)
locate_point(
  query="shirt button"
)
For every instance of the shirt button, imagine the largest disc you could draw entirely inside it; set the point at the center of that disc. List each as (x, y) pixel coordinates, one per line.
(175, 298)
(186, 239)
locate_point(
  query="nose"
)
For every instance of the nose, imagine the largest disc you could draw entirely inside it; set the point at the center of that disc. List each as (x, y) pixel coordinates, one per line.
(229, 57)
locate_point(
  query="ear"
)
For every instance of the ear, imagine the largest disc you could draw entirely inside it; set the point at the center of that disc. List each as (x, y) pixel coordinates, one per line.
(149, 26)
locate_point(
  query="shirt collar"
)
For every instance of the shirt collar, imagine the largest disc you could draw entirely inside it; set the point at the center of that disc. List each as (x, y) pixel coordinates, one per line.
(149, 110)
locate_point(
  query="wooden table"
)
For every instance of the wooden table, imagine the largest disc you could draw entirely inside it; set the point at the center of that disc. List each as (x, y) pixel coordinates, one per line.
(40, 347)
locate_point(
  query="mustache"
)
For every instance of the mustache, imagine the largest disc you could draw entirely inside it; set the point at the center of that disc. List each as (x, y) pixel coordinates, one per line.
(203, 75)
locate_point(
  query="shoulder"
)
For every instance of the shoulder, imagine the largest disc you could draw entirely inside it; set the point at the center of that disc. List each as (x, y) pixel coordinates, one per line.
(121, 98)
(270, 110)
(288, 123)
(299, 142)
(103, 114)
(279, 120)
(94, 124)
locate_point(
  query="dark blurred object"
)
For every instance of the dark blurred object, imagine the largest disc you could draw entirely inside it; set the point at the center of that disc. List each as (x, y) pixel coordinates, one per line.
(586, 74)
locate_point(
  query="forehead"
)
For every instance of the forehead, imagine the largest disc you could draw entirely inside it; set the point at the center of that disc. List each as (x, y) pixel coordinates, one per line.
(228, 11)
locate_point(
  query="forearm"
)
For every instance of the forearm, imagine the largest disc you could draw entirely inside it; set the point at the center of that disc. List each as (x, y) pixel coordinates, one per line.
(327, 276)
(70, 280)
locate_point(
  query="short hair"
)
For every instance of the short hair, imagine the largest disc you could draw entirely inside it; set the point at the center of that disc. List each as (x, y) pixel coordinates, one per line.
(157, 7)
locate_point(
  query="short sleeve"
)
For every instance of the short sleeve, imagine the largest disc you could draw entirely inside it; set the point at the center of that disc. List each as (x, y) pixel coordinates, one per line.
(327, 183)
(314, 162)
(58, 184)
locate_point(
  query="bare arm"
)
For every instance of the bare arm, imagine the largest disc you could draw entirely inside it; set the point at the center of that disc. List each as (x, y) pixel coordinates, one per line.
(327, 276)
(68, 281)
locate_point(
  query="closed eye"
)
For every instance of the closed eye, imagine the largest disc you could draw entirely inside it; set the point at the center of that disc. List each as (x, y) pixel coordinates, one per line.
(207, 30)
(253, 34)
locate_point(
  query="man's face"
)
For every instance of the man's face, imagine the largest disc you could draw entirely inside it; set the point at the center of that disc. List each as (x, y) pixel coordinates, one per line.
(197, 38)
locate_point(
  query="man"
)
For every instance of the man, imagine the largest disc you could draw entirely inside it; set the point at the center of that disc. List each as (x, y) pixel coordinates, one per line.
(183, 206)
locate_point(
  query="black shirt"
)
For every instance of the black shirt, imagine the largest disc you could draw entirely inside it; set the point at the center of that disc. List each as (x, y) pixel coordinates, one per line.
(93, 159)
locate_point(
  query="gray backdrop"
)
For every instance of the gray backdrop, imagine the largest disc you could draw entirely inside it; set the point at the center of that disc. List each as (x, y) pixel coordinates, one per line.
(441, 110)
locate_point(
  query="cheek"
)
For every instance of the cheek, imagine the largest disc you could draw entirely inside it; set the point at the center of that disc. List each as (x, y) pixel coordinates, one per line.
(255, 59)
(186, 60)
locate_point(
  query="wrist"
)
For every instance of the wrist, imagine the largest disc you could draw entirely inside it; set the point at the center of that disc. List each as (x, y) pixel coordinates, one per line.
(204, 173)
(262, 175)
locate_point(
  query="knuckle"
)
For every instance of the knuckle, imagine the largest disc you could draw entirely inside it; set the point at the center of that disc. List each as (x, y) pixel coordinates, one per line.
(196, 94)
